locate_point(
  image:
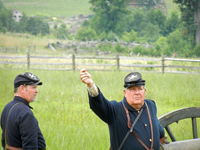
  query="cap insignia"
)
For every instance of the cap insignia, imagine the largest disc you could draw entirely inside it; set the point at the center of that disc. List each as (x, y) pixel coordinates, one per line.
(32, 76)
(132, 77)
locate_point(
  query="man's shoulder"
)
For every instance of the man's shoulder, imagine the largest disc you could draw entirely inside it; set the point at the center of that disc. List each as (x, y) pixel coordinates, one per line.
(150, 102)
(114, 102)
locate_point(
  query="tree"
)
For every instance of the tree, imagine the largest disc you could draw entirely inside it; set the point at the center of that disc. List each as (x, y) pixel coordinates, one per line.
(137, 21)
(151, 33)
(61, 32)
(6, 19)
(129, 36)
(35, 26)
(172, 23)
(177, 45)
(156, 17)
(86, 32)
(190, 10)
(1, 5)
(108, 14)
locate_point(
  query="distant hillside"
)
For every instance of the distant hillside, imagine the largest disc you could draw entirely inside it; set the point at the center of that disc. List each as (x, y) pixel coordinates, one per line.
(66, 8)
(49, 8)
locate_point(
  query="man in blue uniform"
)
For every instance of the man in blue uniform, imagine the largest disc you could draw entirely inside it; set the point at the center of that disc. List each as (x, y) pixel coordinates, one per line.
(147, 133)
(20, 129)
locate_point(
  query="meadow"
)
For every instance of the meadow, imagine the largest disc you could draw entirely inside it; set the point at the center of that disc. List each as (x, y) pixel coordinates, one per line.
(68, 123)
(66, 8)
(50, 8)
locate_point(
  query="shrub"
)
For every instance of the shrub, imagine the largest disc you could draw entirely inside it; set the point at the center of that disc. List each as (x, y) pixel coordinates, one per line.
(86, 32)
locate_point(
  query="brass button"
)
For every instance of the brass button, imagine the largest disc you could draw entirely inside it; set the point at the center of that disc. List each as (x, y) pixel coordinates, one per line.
(138, 112)
(150, 140)
(145, 125)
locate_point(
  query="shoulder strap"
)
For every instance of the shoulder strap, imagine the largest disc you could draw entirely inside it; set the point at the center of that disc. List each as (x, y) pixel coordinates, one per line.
(8, 116)
(131, 127)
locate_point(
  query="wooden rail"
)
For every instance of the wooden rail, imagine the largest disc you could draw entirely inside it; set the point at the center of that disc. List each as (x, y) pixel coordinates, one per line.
(98, 63)
(9, 49)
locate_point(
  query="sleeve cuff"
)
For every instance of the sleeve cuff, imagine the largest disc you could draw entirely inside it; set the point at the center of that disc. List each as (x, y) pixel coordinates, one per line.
(93, 91)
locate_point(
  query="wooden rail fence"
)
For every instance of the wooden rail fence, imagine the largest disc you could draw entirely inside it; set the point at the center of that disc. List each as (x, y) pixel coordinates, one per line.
(9, 49)
(99, 63)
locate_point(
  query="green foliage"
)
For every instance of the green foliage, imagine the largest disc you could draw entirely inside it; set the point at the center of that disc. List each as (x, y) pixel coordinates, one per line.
(107, 47)
(152, 24)
(1, 5)
(108, 15)
(177, 45)
(139, 50)
(197, 50)
(61, 32)
(156, 17)
(6, 19)
(31, 25)
(85, 23)
(119, 49)
(55, 26)
(160, 44)
(151, 33)
(3, 30)
(187, 15)
(111, 36)
(86, 32)
(36, 26)
(129, 36)
(171, 23)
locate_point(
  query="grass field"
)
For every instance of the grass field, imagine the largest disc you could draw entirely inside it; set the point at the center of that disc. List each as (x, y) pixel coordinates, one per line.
(50, 8)
(65, 8)
(63, 111)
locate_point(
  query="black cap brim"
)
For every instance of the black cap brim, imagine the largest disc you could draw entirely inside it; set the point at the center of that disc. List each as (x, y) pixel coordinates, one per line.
(36, 83)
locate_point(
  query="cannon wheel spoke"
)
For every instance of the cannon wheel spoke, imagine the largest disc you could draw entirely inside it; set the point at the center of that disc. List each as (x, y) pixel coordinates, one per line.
(175, 116)
(194, 127)
(171, 135)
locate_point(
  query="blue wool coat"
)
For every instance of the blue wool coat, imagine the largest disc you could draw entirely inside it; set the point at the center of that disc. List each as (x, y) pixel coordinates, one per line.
(113, 113)
(22, 126)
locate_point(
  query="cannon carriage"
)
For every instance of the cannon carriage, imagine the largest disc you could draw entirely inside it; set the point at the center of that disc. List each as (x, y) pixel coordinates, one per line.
(175, 116)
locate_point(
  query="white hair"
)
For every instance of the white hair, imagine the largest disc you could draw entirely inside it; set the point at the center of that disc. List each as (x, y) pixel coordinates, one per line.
(142, 85)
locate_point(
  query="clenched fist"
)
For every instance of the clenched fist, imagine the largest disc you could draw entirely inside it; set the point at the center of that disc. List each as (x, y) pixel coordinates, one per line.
(86, 78)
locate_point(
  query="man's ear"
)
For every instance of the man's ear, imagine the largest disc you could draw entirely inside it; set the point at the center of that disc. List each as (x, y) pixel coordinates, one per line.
(22, 89)
(124, 92)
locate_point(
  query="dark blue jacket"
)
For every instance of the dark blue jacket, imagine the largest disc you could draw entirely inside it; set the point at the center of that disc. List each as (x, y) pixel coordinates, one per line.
(22, 127)
(113, 113)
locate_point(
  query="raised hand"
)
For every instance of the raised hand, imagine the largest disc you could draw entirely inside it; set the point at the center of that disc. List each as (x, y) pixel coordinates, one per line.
(86, 78)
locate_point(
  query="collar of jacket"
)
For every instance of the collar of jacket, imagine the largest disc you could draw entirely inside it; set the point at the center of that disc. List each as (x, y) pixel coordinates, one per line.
(130, 107)
(20, 99)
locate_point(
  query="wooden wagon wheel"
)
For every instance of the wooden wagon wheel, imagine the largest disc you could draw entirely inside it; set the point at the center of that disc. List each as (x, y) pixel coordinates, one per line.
(180, 114)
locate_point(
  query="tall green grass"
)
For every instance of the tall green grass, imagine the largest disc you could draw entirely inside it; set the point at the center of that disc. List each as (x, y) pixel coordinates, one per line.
(63, 111)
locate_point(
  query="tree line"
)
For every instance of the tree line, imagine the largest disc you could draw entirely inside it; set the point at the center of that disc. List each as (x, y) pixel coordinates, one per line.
(31, 25)
(113, 20)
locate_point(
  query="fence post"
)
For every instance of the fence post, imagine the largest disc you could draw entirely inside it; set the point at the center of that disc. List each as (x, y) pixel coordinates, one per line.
(117, 60)
(16, 48)
(28, 59)
(163, 63)
(73, 62)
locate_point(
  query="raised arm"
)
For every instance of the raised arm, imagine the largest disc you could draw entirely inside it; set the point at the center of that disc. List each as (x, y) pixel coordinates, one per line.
(86, 78)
